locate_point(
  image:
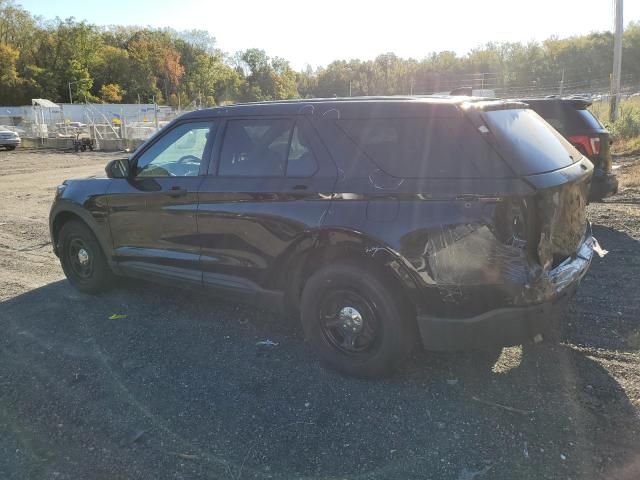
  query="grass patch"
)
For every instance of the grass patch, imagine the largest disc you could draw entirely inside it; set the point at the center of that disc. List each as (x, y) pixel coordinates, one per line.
(630, 177)
(625, 131)
(625, 147)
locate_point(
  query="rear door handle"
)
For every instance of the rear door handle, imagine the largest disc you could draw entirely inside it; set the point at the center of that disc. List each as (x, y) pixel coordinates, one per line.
(177, 192)
(300, 187)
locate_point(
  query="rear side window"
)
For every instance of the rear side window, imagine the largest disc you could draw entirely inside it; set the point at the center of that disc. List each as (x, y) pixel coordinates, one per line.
(265, 148)
(443, 147)
(530, 144)
(255, 148)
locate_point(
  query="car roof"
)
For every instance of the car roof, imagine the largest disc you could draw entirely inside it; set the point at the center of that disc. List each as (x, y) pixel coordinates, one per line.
(350, 106)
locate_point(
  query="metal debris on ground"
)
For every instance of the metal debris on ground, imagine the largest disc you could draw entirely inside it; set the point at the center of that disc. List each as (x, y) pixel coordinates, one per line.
(266, 343)
(136, 436)
(598, 249)
(472, 474)
(186, 456)
(504, 407)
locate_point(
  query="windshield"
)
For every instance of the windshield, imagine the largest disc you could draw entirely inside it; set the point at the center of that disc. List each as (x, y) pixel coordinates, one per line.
(530, 145)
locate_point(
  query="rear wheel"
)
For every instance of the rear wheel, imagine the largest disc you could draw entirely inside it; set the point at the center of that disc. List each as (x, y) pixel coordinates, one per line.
(82, 258)
(354, 322)
(12, 147)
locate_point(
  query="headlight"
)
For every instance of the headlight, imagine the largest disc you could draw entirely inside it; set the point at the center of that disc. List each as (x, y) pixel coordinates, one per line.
(59, 191)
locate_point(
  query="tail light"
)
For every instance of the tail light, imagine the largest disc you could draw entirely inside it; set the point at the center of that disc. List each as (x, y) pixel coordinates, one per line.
(587, 145)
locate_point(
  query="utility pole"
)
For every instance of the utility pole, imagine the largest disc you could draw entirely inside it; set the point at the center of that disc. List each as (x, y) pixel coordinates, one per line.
(617, 61)
(562, 83)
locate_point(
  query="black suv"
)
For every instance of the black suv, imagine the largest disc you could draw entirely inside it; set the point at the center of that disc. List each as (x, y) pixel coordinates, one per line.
(571, 117)
(378, 221)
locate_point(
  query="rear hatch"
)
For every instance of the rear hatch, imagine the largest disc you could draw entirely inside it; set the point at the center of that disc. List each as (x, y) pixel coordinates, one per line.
(561, 175)
(587, 134)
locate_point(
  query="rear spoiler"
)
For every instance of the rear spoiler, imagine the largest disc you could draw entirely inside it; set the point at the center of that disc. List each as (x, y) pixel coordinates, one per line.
(578, 101)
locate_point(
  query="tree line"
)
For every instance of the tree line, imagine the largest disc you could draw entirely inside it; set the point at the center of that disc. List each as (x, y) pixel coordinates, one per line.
(56, 58)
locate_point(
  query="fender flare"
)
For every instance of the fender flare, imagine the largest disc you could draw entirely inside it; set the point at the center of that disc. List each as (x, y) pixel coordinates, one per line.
(101, 232)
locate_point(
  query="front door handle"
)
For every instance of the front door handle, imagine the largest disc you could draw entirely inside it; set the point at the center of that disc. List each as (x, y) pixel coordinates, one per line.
(177, 192)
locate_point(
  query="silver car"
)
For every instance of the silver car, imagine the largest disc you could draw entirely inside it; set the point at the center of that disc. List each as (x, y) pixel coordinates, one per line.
(8, 139)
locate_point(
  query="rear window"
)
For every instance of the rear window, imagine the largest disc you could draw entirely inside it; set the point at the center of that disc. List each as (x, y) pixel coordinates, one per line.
(444, 147)
(566, 118)
(530, 144)
(589, 119)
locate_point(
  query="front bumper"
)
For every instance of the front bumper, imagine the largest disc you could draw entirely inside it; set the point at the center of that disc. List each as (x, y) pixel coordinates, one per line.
(602, 185)
(9, 142)
(512, 325)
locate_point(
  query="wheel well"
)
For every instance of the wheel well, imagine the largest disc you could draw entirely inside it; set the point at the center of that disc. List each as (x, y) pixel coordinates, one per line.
(59, 221)
(308, 263)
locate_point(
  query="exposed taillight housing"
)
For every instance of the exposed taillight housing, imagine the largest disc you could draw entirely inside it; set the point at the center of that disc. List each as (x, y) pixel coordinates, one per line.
(587, 145)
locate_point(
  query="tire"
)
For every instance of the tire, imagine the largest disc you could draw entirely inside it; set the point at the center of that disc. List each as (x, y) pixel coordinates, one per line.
(11, 148)
(89, 272)
(371, 341)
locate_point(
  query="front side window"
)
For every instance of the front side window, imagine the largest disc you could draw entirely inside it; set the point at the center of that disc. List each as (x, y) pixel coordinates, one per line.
(178, 153)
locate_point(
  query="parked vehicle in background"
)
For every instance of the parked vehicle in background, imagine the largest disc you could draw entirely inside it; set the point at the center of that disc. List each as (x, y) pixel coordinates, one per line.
(9, 139)
(571, 117)
(380, 222)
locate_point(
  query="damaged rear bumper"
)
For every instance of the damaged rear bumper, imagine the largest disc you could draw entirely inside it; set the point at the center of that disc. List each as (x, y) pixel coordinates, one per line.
(548, 297)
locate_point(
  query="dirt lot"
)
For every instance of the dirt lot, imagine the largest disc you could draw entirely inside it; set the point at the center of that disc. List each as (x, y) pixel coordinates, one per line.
(179, 389)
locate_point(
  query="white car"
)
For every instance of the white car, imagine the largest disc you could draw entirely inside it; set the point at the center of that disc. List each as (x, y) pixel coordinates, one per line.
(8, 139)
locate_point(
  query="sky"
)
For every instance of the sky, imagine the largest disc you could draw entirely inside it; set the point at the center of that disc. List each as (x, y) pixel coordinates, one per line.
(316, 33)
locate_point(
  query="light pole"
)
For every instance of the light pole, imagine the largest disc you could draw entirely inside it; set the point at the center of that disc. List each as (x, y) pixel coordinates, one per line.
(73, 83)
(617, 61)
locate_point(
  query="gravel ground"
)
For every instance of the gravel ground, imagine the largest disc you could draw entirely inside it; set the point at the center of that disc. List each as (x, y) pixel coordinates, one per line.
(178, 389)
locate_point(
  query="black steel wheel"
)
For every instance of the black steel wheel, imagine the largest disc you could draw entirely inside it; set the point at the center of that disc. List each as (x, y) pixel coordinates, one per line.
(355, 322)
(82, 258)
(348, 322)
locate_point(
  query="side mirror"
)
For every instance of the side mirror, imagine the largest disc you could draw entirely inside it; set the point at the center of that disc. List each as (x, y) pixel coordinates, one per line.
(118, 168)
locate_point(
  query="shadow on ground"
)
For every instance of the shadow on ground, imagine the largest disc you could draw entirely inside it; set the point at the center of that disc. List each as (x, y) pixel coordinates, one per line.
(179, 389)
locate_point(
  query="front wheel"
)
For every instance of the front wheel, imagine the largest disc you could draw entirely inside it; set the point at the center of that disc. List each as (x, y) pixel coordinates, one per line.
(82, 258)
(354, 322)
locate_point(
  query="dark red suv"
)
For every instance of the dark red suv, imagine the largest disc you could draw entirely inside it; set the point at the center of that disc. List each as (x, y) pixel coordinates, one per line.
(571, 117)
